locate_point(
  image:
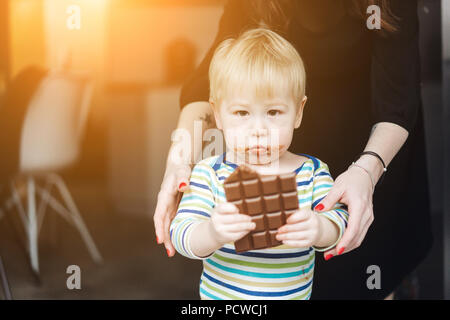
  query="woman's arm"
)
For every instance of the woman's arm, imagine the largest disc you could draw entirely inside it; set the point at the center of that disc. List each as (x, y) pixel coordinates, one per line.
(354, 186)
(382, 132)
(194, 115)
(178, 170)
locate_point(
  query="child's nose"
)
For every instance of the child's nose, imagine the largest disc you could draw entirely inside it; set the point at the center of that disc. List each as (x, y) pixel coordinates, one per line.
(259, 132)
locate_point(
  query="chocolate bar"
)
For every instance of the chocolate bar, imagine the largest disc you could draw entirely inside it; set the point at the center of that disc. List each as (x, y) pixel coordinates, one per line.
(268, 199)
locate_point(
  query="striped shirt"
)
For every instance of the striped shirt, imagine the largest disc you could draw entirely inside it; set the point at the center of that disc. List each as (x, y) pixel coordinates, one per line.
(280, 272)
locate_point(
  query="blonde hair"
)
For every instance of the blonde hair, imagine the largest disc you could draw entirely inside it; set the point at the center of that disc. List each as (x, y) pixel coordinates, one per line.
(259, 58)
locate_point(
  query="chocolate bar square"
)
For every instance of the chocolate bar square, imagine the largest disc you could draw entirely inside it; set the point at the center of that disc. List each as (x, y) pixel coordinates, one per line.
(268, 199)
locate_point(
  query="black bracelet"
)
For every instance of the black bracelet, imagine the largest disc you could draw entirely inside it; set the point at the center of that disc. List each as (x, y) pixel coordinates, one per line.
(379, 158)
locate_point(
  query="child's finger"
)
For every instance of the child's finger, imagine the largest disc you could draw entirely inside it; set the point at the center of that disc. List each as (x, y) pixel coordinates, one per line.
(298, 235)
(293, 227)
(239, 235)
(297, 243)
(240, 227)
(298, 216)
(226, 207)
(234, 218)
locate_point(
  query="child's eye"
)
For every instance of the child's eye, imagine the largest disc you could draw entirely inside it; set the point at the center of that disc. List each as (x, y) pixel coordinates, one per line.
(241, 113)
(273, 113)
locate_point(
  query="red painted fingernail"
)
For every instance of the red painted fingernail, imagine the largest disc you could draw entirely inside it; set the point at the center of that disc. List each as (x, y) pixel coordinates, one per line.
(157, 240)
(328, 256)
(168, 252)
(341, 250)
(319, 207)
(182, 185)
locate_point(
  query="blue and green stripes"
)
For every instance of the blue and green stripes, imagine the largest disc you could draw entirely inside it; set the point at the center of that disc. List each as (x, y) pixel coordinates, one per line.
(277, 273)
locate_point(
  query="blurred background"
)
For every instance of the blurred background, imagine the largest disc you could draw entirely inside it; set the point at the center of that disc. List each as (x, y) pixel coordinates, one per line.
(117, 67)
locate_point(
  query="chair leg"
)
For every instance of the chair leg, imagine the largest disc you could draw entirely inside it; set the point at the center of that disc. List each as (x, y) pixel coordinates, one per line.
(17, 202)
(45, 194)
(57, 206)
(32, 219)
(5, 283)
(20, 230)
(77, 219)
(32, 226)
(43, 204)
(72, 219)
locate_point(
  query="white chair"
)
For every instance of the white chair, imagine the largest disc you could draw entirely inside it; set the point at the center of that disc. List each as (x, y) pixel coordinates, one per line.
(50, 141)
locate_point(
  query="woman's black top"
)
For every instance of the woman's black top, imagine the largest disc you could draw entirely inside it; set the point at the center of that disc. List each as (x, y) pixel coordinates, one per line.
(357, 77)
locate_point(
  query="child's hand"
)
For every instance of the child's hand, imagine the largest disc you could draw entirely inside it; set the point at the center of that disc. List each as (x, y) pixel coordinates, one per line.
(228, 225)
(302, 229)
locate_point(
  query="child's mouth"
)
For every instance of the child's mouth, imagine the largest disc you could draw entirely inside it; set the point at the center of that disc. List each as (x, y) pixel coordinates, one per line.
(258, 149)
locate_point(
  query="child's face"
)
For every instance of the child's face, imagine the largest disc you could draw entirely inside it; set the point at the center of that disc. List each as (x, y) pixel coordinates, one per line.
(258, 130)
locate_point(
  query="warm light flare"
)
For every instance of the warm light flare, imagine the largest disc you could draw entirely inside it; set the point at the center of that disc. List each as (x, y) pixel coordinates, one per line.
(26, 34)
(40, 34)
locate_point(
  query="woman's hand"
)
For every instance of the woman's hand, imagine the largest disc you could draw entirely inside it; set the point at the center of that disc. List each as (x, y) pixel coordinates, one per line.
(178, 169)
(228, 225)
(354, 189)
(176, 180)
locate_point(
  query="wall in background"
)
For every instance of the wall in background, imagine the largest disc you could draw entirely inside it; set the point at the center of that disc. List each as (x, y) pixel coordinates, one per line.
(143, 106)
(4, 44)
(140, 36)
(84, 46)
(76, 37)
(27, 38)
